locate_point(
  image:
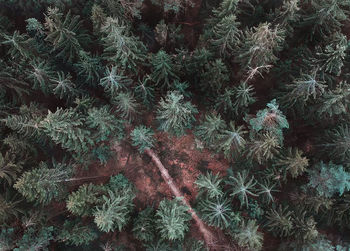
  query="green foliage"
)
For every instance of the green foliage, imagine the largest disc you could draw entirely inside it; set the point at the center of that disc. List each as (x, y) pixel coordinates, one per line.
(163, 69)
(77, 234)
(66, 127)
(172, 219)
(145, 92)
(209, 129)
(64, 32)
(127, 105)
(113, 82)
(280, 221)
(242, 187)
(144, 225)
(259, 45)
(270, 119)
(43, 184)
(248, 235)
(329, 179)
(88, 67)
(210, 185)
(114, 213)
(336, 143)
(35, 239)
(142, 138)
(216, 211)
(215, 75)
(265, 191)
(306, 230)
(9, 207)
(244, 96)
(120, 46)
(292, 161)
(9, 167)
(231, 140)
(63, 87)
(20, 45)
(174, 114)
(263, 148)
(81, 202)
(226, 35)
(104, 124)
(7, 238)
(41, 74)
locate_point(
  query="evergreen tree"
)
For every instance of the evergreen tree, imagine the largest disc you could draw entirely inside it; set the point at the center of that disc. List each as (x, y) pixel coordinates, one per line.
(113, 82)
(215, 75)
(210, 185)
(114, 213)
(210, 128)
(216, 212)
(244, 96)
(265, 191)
(35, 239)
(280, 221)
(329, 180)
(63, 87)
(43, 184)
(64, 33)
(163, 69)
(258, 46)
(144, 225)
(242, 187)
(88, 67)
(20, 45)
(120, 46)
(263, 148)
(172, 219)
(174, 114)
(77, 234)
(41, 74)
(9, 167)
(142, 138)
(248, 235)
(126, 105)
(292, 161)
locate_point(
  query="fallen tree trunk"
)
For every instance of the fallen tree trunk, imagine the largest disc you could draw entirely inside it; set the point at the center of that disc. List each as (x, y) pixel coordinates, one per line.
(207, 235)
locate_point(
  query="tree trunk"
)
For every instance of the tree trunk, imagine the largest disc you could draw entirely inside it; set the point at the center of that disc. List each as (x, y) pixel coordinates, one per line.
(207, 235)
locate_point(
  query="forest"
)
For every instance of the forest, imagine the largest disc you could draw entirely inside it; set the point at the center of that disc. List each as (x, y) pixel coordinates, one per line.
(175, 125)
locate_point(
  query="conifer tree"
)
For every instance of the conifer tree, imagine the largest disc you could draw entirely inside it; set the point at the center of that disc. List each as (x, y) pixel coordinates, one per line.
(144, 225)
(210, 128)
(35, 238)
(43, 184)
(65, 127)
(9, 167)
(114, 213)
(63, 87)
(210, 185)
(114, 82)
(280, 221)
(248, 235)
(20, 45)
(145, 92)
(242, 187)
(292, 161)
(121, 48)
(329, 180)
(263, 148)
(231, 140)
(41, 74)
(64, 32)
(77, 234)
(126, 105)
(172, 220)
(142, 138)
(259, 46)
(174, 114)
(244, 96)
(215, 75)
(88, 67)
(163, 69)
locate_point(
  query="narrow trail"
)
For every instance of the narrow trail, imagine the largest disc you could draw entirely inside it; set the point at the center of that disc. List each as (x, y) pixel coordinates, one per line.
(206, 233)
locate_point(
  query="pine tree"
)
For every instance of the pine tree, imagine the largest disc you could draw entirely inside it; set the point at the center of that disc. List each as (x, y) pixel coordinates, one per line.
(224, 101)
(172, 220)
(242, 187)
(88, 67)
(77, 234)
(126, 105)
(329, 180)
(231, 140)
(81, 201)
(63, 87)
(258, 46)
(142, 138)
(35, 239)
(263, 148)
(9, 167)
(41, 74)
(43, 184)
(209, 129)
(248, 235)
(7, 239)
(244, 96)
(145, 92)
(144, 225)
(265, 191)
(334, 102)
(292, 161)
(280, 221)
(270, 119)
(65, 127)
(64, 33)
(210, 185)
(174, 114)
(10, 207)
(114, 82)
(114, 213)
(215, 75)
(305, 228)
(104, 124)
(120, 46)
(216, 211)
(226, 35)
(163, 69)
(20, 45)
